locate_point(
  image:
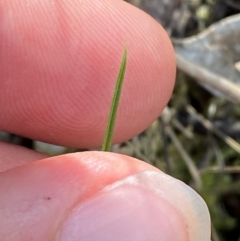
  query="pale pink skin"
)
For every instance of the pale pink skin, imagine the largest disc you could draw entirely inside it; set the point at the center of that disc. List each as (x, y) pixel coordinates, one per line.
(59, 62)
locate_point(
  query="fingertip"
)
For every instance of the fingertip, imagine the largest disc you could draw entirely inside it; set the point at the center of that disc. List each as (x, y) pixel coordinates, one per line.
(40, 194)
(68, 54)
(14, 155)
(52, 188)
(123, 213)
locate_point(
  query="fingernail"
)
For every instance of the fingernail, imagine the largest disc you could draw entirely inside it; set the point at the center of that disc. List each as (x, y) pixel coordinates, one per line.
(134, 208)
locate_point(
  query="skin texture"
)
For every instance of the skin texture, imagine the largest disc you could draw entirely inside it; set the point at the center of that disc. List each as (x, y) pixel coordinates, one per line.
(59, 62)
(59, 65)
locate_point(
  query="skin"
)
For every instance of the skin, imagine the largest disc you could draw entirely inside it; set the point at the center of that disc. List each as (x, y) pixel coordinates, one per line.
(59, 62)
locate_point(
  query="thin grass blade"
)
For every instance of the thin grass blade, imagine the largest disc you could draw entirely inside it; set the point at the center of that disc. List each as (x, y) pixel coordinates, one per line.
(107, 143)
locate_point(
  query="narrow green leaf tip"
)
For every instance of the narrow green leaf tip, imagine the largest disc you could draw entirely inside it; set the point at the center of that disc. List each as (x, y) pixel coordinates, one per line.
(107, 143)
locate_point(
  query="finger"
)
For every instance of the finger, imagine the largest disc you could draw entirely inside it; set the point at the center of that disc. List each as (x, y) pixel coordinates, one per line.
(59, 63)
(98, 196)
(14, 156)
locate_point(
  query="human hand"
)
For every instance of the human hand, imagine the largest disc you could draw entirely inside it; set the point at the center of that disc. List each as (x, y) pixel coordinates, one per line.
(59, 63)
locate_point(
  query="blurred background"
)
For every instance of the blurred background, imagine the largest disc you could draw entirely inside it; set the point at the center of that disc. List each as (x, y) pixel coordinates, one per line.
(196, 139)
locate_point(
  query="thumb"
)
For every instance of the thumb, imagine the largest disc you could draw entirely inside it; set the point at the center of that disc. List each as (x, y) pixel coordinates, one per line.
(98, 196)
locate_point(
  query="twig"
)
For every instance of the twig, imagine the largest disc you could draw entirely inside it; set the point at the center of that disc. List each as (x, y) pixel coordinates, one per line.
(187, 159)
(178, 125)
(209, 126)
(217, 169)
(203, 76)
(164, 146)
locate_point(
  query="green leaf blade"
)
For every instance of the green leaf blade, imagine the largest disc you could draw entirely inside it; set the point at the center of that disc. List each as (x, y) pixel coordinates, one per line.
(107, 143)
